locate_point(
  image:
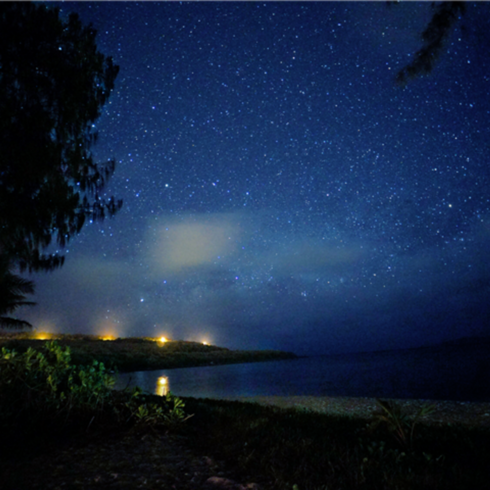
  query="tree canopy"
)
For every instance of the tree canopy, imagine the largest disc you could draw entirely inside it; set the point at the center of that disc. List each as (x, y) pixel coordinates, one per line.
(434, 37)
(13, 290)
(53, 85)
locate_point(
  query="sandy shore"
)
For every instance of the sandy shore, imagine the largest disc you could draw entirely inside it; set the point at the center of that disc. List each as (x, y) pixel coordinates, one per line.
(460, 413)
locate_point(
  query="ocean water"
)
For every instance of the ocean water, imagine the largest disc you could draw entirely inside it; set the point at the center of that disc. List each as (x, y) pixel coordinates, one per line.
(446, 372)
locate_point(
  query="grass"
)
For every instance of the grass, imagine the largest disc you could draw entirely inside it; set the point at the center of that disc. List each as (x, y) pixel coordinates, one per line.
(303, 450)
(140, 353)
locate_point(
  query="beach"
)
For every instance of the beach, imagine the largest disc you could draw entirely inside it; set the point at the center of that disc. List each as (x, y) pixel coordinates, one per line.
(469, 414)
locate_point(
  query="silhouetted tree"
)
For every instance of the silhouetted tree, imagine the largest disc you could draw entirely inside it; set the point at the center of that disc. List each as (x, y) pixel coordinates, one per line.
(13, 290)
(434, 37)
(53, 85)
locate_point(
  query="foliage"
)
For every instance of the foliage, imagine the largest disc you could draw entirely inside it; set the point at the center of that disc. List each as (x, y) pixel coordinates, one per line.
(291, 449)
(13, 289)
(398, 423)
(47, 385)
(47, 382)
(53, 85)
(434, 37)
(169, 414)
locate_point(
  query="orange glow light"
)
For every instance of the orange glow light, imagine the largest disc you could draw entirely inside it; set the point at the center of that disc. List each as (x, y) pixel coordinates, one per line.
(163, 339)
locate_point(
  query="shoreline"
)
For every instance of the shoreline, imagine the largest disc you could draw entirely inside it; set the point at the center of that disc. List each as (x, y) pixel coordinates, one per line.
(143, 354)
(468, 414)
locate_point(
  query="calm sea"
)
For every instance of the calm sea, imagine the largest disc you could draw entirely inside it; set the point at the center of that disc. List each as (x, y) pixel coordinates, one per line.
(439, 373)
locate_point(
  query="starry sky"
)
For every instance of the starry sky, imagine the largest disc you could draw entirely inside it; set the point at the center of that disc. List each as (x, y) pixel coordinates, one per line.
(280, 190)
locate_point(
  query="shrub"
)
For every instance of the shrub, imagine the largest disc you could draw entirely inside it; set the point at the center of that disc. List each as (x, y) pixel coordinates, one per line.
(398, 423)
(169, 414)
(37, 385)
(47, 381)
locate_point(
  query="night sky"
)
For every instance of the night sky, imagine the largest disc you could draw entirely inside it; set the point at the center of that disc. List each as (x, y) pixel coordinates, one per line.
(280, 190)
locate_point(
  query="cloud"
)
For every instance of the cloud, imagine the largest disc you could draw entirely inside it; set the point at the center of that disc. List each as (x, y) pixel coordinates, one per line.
(192, 241)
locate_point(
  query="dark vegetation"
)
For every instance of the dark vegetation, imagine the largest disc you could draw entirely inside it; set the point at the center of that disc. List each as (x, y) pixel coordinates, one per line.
(139, 353)
(53, 85)
(435, 36)
(50, 405)
(13, 291)
(302, 450)
(42, 392)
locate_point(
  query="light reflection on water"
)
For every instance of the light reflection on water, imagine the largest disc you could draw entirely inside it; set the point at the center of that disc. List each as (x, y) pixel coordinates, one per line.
(212, 381)
(162, 386)
(433, 373)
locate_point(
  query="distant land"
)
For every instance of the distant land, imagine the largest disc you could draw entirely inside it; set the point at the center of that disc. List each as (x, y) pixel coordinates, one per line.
(461, 342)
(468, 341)
(146, 353)
(454, 343)
(139, 353)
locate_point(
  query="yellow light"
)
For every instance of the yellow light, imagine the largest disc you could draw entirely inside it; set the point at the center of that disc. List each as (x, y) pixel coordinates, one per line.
(163, 339)
(107, 337)
(43, 336)
(204, 343)
(162, 387)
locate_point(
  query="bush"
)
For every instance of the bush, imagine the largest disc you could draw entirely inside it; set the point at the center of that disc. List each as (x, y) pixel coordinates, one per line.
(170, 414)
(48, 382)
(40, 385)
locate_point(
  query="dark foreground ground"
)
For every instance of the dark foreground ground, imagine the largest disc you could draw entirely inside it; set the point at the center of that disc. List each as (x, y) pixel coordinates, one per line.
(116, 458)
(236, 445)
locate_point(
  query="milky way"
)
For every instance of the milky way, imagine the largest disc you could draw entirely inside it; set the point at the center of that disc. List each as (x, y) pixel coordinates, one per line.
(280, 190)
